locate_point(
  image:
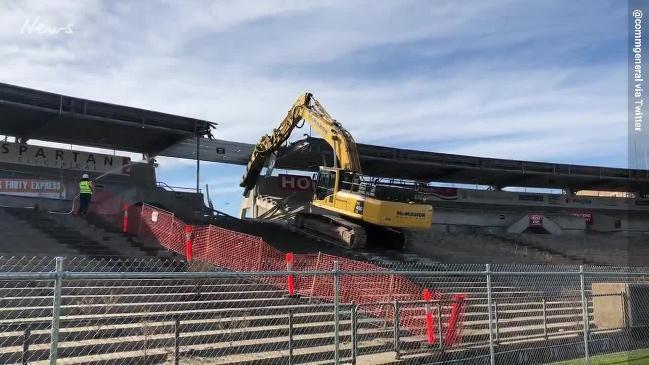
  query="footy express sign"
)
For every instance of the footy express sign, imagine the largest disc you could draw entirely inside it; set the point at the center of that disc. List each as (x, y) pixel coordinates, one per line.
(62, 159)
(32, 188)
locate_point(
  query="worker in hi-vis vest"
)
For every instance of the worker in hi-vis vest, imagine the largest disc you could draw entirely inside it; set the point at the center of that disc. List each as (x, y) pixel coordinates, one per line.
(85, 194)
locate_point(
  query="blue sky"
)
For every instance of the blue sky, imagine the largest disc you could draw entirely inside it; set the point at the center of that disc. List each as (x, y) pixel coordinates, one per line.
(542, 80)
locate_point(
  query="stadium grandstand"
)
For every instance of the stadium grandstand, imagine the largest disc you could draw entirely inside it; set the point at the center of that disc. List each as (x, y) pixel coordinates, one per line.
(230, 312)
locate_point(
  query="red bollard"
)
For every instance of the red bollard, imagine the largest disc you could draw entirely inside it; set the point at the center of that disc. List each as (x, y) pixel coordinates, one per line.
(430, 332)
(189, 250)
(125, 219)
(290, 279)
(457, 311)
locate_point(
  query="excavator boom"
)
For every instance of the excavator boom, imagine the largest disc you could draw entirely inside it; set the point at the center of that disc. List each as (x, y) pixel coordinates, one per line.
(308, 109)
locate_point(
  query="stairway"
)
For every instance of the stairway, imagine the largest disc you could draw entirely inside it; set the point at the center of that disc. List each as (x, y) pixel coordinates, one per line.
(76, 236)
(558, 257)
(21, 238)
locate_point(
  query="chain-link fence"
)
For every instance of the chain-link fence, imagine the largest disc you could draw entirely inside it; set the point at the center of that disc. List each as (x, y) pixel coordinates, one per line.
(152, 311)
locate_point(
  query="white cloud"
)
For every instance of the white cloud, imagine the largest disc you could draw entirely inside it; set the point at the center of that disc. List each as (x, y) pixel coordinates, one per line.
(242, 64)
(224, 185)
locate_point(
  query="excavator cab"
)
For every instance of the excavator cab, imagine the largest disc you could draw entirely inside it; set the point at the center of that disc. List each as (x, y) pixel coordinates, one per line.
(326, 186)
(330, 180)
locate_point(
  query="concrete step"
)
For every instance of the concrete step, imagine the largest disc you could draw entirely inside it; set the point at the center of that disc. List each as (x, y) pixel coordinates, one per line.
(34, 322)
(89, 328)
(151, 297)
(220, 343)
(72, 233)
(136, 290)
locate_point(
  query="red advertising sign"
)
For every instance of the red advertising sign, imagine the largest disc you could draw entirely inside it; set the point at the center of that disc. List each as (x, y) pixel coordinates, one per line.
(588, 217)
(295, 182)
(536, 220)
(32, 188)
(441, 193)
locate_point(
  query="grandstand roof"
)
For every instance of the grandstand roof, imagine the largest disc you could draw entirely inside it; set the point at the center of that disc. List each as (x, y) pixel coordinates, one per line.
(34, 114)
(391, 162)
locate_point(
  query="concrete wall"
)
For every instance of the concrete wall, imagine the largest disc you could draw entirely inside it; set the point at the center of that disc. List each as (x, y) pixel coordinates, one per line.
(267, 192)
(498, 221)
(183, 204)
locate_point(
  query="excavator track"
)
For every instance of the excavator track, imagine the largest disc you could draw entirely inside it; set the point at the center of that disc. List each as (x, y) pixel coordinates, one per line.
(333, 229)
(350, 235)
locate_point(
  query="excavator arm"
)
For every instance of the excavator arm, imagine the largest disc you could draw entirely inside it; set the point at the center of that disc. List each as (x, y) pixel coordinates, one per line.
(306, 108)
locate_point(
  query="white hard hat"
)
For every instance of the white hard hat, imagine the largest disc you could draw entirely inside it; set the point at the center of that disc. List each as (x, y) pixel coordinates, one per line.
(85, 176)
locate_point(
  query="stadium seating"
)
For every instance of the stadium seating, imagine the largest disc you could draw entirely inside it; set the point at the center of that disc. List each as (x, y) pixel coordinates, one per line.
(43, 232)
(21, 238)
(469, 248)
(232, 320)
(598, 249)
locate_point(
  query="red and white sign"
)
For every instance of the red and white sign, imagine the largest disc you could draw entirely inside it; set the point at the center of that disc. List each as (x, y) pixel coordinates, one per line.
(442, 193)
(536, 220)
(295, 182)
(588, 217)
(32, 188)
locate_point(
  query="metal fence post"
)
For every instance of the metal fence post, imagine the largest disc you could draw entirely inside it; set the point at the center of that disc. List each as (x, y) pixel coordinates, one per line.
(584, 310)
(176, 341)
(625, 312)
(25, 356)
(260, 257)
(354, 329)
(313, 283)
(56, 311)
(440, 327)
(336, 273)
(497, 329)
(290, 337)
(492, 354)
(170, 234)
(391, 288)
(397, 331)
(545, 318)
(140, 221)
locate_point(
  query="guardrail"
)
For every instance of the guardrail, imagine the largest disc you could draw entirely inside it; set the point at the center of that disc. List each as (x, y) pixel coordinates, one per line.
(65, 308)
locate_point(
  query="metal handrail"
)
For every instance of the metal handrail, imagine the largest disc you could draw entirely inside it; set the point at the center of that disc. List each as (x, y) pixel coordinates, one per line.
(164, 185)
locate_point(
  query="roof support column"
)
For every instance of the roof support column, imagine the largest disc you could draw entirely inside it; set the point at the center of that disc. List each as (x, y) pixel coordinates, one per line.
(198, 158)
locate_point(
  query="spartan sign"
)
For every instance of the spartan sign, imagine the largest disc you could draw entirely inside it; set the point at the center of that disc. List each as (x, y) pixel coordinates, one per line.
(295, 182)
(33, 155)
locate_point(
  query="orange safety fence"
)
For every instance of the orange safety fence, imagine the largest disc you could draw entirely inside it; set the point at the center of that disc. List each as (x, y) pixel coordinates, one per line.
(242, 252)
(106, 206)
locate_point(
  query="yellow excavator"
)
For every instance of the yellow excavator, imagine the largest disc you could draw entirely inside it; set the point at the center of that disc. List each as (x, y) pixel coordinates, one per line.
(347, 208)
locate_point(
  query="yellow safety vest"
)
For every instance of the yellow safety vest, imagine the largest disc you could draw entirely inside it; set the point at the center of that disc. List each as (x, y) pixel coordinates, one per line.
(84, 187)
